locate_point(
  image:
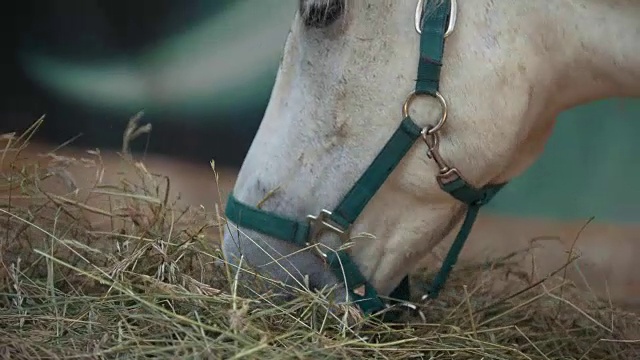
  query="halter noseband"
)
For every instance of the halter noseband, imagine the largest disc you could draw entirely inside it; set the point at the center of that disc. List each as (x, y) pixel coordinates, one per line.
(436, 26)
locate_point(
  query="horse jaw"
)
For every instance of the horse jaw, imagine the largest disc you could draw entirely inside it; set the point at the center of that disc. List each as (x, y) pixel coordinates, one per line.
(337, 99)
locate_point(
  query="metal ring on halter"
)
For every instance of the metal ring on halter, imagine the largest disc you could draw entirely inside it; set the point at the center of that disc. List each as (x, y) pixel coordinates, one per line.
(452, 17)
(443, 104)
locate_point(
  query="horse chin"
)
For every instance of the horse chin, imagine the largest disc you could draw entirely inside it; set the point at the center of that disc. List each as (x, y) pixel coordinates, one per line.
(279, 270)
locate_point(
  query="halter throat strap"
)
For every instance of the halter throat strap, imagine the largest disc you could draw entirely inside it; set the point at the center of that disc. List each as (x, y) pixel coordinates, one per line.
(305, 233)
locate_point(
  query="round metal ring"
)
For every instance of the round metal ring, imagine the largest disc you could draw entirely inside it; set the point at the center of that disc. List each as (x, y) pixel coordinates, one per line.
(443, 104)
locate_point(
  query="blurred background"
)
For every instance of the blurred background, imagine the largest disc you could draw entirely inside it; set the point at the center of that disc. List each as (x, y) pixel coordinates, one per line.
(202, 71)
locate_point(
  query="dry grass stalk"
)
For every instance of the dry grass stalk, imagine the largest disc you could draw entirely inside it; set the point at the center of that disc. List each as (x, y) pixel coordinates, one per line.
(143, 281)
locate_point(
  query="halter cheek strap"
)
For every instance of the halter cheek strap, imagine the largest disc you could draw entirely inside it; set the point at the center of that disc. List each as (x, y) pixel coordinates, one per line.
(303, 233)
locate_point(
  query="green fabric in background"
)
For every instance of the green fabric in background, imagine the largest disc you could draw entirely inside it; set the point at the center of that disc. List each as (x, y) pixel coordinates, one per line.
(589, 168)
(227, 59)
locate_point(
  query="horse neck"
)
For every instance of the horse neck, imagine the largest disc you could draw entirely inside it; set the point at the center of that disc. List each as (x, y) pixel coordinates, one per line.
(596, 49)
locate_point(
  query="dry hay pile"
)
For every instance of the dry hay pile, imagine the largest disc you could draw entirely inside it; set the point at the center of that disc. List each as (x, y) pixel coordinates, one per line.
(137, 277)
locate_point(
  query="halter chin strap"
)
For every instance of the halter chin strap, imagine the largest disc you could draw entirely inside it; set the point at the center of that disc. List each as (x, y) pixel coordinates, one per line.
(305, 232)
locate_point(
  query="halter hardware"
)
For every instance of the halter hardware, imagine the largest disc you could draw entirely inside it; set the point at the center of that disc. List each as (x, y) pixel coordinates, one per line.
(437, 25)
(322, 223)
(443, 104)
(453, 11)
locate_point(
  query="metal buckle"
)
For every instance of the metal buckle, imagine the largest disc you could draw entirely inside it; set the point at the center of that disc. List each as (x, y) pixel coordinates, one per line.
(321, 223)
(452, 17)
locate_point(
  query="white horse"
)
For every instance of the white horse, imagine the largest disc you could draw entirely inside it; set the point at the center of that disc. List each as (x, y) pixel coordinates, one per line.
(508, 69)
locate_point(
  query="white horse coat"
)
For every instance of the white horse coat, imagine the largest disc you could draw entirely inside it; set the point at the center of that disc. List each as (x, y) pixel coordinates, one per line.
(509, 68)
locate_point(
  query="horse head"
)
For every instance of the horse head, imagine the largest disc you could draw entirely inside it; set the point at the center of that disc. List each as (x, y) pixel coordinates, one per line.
(392, 121)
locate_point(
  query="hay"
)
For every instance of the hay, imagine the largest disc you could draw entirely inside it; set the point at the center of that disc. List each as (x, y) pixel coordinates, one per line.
(137, 277)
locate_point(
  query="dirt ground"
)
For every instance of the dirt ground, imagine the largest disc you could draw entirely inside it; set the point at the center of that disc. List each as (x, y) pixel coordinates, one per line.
(607, 263)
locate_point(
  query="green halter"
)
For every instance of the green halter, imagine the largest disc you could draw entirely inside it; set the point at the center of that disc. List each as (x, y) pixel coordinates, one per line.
(305, 232)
